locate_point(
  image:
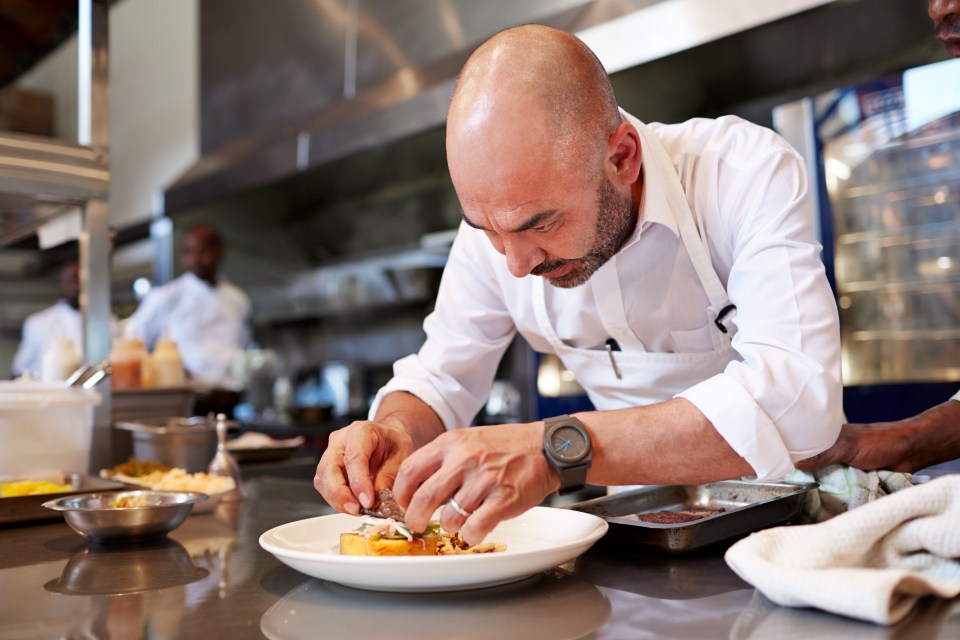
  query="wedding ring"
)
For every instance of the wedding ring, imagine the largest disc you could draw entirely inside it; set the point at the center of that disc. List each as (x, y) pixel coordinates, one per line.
(459, 509)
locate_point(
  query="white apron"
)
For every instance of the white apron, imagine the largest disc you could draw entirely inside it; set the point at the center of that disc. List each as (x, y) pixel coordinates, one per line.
(646, 377)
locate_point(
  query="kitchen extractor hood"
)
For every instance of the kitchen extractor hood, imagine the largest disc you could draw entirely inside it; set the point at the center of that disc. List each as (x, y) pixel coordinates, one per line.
(289, 87)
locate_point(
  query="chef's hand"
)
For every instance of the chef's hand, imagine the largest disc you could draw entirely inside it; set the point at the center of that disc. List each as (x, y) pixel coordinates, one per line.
(360, 460)
(492, 473)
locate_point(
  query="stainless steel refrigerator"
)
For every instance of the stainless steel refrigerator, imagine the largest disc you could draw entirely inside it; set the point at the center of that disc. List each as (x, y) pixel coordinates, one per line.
(884, 157)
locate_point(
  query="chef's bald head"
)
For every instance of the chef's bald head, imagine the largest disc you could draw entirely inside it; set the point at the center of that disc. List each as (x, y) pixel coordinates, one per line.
(533, 90)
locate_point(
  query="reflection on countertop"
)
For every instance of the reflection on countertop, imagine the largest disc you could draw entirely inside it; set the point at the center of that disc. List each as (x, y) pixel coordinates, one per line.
(550, 605)
(211, 579)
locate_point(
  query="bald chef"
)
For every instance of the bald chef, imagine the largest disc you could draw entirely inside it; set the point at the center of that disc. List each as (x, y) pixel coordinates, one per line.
(673, 268)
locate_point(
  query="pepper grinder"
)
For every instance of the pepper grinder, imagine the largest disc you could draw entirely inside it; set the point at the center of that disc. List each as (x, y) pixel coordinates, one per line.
(224, 464)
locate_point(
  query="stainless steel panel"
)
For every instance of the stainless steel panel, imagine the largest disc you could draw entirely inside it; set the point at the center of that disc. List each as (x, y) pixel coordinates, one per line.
(267, 63)
(407, 34)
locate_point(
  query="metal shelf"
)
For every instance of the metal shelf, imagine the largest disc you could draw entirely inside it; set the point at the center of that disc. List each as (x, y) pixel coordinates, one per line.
(42, 178)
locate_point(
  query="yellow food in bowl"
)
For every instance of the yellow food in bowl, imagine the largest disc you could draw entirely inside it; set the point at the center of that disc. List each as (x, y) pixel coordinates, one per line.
(31, 488)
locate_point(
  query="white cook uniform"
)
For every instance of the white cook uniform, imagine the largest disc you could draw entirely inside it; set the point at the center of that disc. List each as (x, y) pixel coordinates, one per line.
(209, 324)
(43, 327)
(726, 218)
(956, 396)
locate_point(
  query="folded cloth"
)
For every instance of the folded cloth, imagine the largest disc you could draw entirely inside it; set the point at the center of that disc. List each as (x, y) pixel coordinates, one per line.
(872, 563)
(843, 488)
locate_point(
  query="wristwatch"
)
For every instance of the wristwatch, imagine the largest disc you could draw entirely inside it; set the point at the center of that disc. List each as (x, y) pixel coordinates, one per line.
(566, 445)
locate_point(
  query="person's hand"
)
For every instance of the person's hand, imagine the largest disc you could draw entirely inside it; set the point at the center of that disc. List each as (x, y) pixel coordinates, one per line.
(360, 459)
(483, 474)
(882, 445)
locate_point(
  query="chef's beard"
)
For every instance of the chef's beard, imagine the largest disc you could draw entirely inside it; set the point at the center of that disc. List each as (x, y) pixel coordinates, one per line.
(615, 223)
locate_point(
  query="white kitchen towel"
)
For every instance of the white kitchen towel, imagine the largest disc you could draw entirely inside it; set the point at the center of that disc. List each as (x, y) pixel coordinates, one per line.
(843, 488)
(872, 563)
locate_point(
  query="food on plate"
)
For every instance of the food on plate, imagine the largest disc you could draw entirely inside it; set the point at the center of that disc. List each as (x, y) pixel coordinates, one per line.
(31, 488)
(135, 468)
(390, 537)
(177, 479)
(124, 502)
(674, 517)
(385, 506)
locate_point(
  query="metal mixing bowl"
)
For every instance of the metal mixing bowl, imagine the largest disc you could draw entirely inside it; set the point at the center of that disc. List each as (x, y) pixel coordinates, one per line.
(94, 516)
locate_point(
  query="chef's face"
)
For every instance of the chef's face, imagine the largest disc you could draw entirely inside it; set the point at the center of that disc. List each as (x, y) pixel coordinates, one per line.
(70, 284)
(562, 228)
(202, 253)
(946, 20)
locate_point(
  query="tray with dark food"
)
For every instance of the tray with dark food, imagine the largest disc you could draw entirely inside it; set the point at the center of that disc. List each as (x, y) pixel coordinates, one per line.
(681, 518)
(21, 499)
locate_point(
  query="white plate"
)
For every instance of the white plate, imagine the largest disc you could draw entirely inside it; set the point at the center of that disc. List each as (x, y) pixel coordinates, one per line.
(537, 540)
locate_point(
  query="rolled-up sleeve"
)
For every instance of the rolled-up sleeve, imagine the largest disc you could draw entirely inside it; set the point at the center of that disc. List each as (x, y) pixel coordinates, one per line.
(467, 334)
(782, 401)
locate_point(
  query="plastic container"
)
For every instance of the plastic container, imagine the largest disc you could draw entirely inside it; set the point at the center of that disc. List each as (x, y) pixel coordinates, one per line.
(45, 428)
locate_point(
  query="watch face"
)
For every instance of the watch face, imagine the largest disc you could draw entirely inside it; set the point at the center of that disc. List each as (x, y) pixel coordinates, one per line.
(568, 443)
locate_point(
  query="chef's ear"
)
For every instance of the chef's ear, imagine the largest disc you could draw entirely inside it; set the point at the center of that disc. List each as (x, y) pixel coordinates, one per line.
(624, 154)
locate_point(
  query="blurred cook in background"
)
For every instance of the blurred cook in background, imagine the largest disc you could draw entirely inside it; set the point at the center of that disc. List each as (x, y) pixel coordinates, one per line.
(206, 316)
(60, 321)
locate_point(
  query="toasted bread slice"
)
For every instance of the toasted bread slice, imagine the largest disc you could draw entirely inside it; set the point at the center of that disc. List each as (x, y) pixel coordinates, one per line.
(354, 544)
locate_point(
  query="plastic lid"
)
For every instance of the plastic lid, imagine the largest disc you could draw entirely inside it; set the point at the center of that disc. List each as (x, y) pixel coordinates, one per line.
(17, 396)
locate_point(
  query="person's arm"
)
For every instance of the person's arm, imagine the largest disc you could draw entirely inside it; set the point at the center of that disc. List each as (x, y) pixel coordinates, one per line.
(781, 402)
(906, 445)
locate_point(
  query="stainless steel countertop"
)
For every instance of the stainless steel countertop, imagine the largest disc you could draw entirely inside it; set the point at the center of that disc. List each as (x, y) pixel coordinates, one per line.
(212, 580)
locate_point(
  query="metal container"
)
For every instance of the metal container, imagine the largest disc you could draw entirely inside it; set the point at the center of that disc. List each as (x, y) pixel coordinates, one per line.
(187, 443)
(28, 508)
(94, 516)
(747, 507)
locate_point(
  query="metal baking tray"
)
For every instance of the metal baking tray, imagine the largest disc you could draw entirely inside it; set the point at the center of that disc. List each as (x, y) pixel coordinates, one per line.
(748, 507)
(28, 508)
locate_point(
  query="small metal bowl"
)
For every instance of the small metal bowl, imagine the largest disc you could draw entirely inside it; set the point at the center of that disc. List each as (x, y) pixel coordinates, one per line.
(94, 516)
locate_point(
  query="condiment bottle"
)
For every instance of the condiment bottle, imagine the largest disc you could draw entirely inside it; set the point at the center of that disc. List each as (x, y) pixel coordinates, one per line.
(59, 360)
(126, 361)
(167, 365)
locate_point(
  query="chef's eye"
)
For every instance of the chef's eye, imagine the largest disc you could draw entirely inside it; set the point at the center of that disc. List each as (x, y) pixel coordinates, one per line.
(544, 228)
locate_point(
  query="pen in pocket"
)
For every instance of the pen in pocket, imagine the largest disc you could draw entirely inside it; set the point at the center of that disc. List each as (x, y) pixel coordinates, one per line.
(612, 346)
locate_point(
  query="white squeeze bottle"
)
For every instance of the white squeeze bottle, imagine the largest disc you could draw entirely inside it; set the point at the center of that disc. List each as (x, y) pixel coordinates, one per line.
(59, 360)
(167, 365)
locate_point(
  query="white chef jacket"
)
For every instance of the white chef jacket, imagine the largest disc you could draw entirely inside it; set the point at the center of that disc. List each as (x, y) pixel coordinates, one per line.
(208, 324)
(42, 328)
(956, 396)
(749, 192)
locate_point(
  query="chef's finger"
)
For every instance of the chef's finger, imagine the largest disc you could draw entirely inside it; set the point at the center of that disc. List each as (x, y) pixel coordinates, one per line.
(357, 449)
(331, 482)
(482, 521)
(430, 495)
(460, 506)
(416, 468)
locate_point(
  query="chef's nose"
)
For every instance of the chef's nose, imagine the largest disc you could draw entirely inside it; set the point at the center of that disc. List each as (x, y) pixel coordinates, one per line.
(522, 256)
(940, 9)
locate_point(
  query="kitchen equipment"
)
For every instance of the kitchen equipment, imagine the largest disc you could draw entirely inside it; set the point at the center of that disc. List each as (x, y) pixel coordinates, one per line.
(187, 443)
(224, 464)
(94, 516)
(45, 428)
(747, 507)
(887, 152)
(28, 508)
